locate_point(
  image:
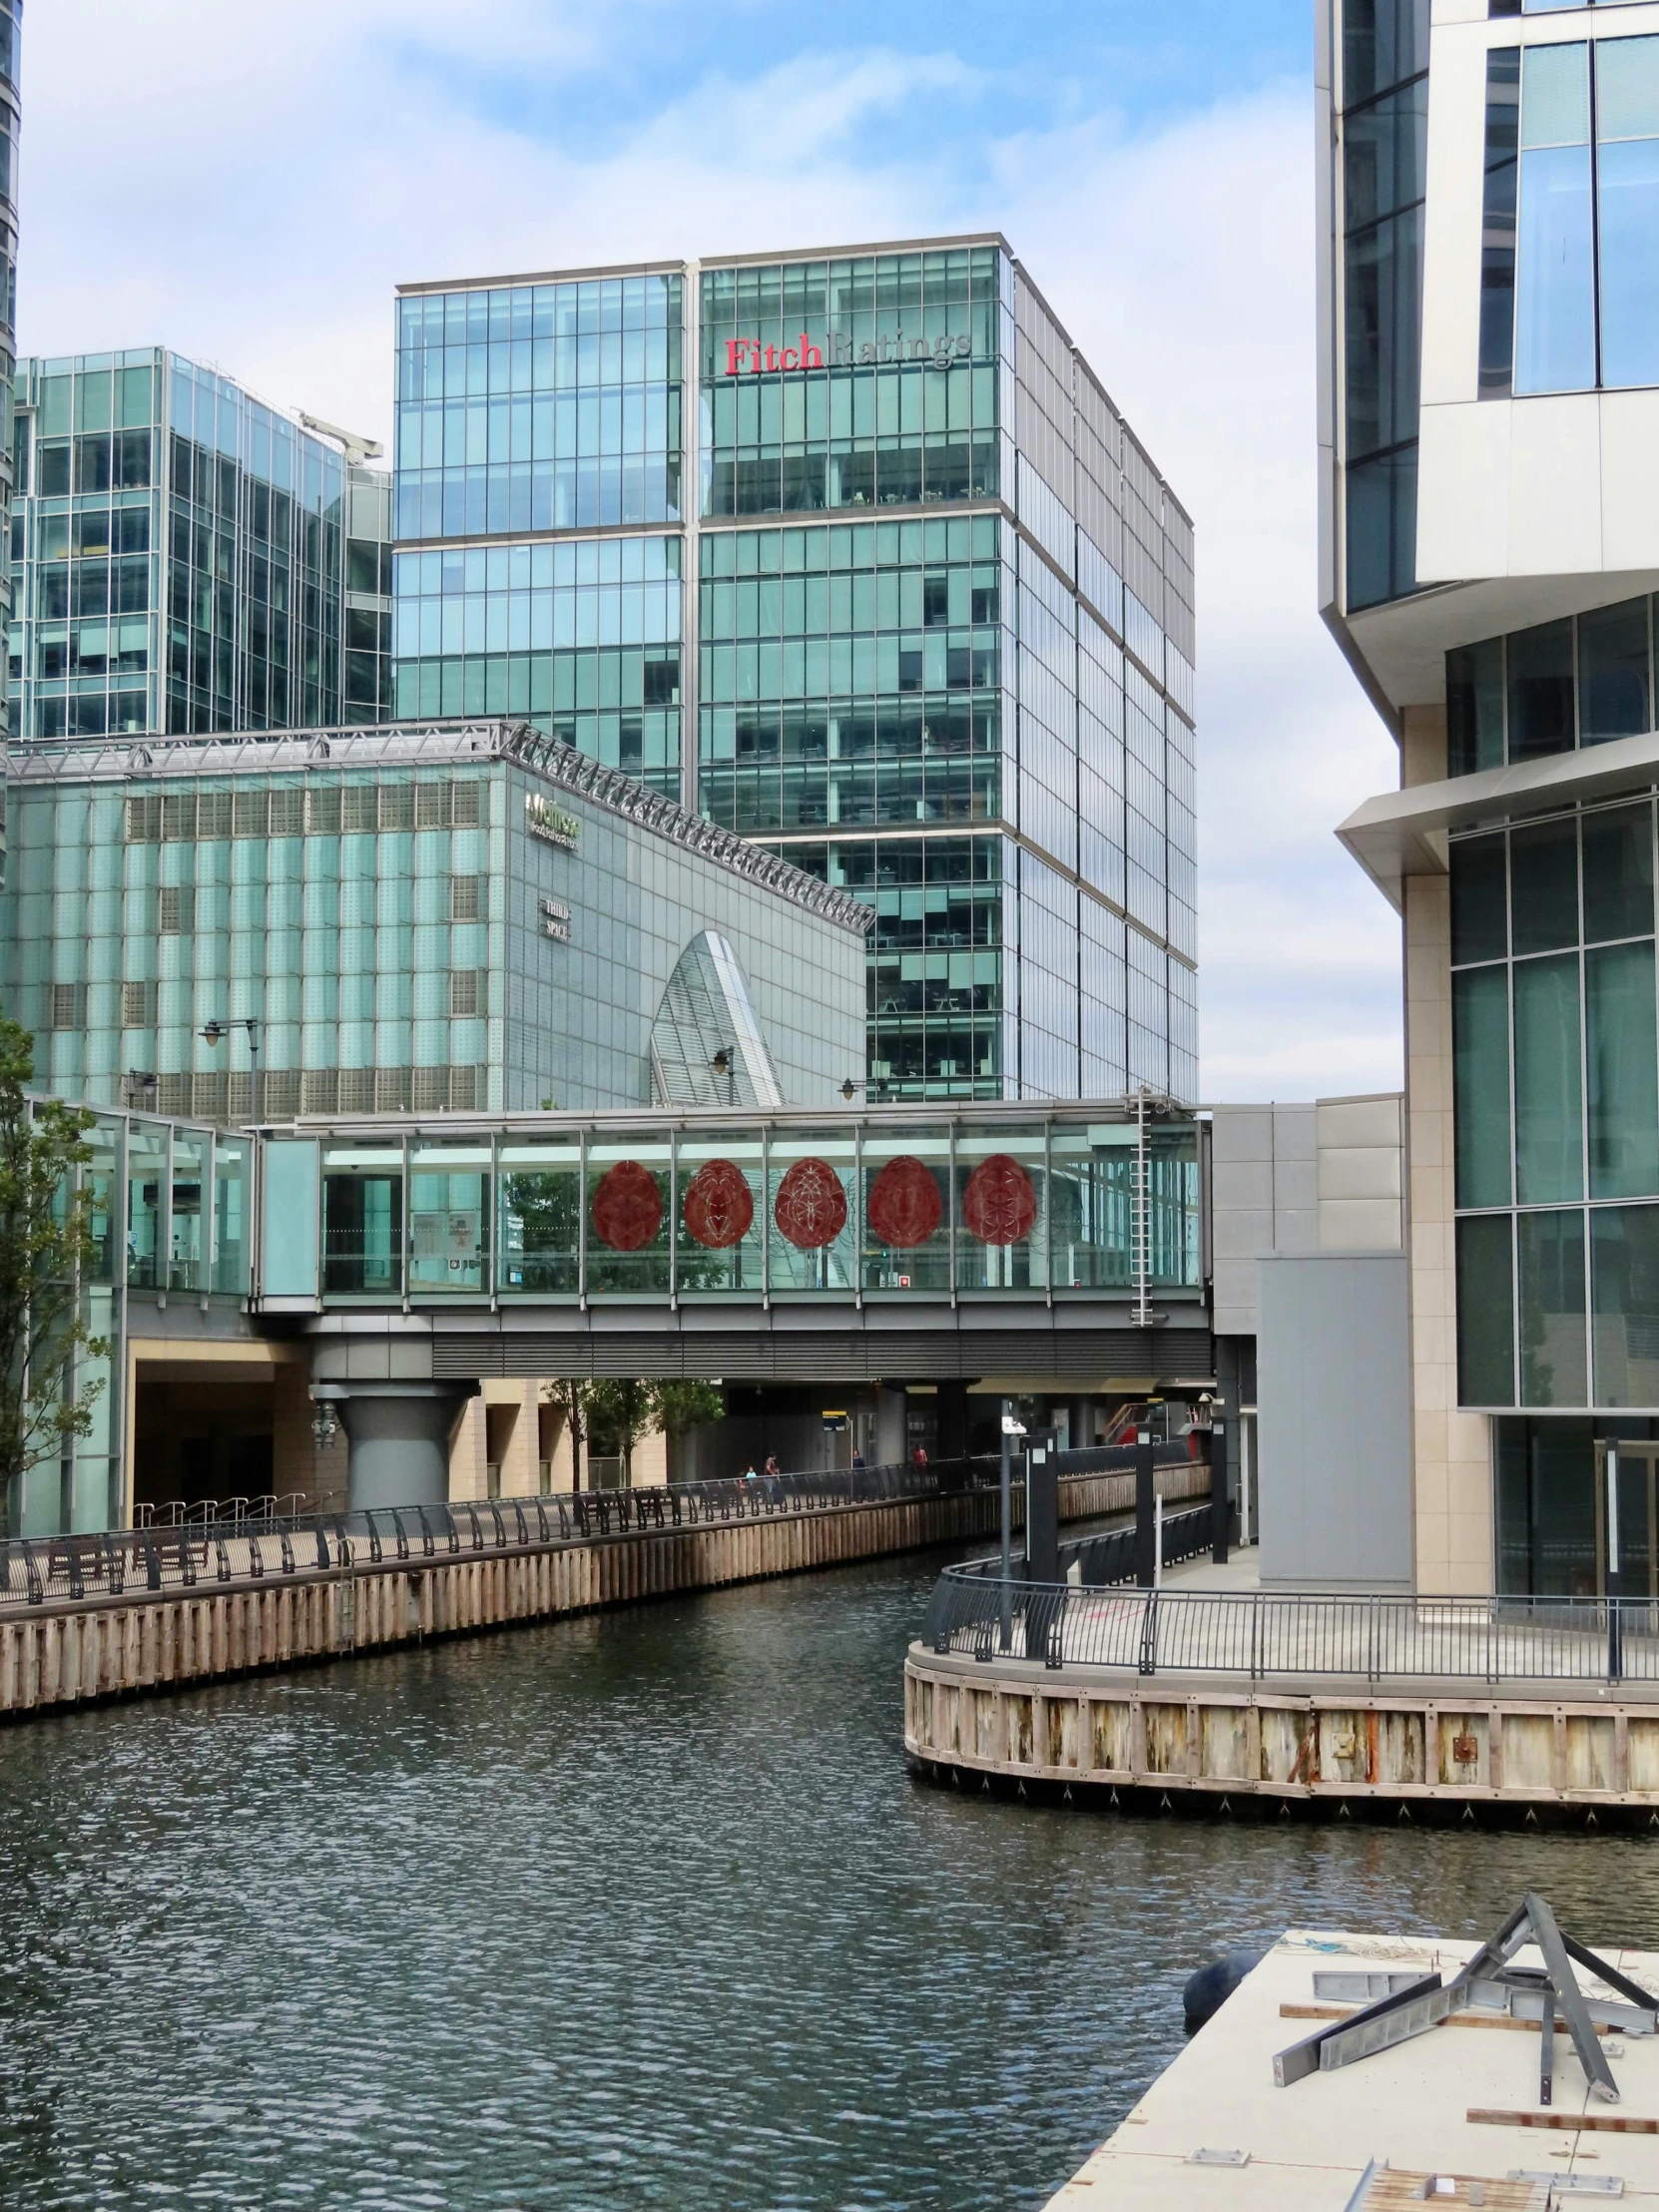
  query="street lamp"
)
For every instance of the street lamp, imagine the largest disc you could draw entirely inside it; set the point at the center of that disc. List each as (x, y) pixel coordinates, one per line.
(217, 1030)
(140, 1079)
(724, 1064)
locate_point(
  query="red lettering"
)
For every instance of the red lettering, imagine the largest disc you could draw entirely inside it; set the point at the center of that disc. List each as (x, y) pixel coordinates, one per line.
(772, 357)
(735, 348)
(788, 359)
(810, 358)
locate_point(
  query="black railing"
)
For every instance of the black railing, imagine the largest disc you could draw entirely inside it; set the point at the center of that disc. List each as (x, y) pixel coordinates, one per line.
(1269, 1635)
(254, 1546)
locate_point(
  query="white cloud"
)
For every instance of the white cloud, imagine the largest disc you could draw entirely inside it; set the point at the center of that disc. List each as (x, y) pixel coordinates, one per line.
(291, 169)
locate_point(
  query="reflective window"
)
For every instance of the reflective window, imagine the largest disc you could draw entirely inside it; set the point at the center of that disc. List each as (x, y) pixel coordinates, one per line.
(720, 1214)
(812, 1210)
(1627, 209)
(146, 1175)
(541, 1217)
(362, 1220)
(188, 1254)
(230, 1203)
(449, 1187)
(1551, 1271)
(1003, 1194)
(630, 1200)
(906, 1213)
(1578, 681)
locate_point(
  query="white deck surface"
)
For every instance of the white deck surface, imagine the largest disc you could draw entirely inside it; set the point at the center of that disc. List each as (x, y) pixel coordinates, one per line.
(1309, 2144)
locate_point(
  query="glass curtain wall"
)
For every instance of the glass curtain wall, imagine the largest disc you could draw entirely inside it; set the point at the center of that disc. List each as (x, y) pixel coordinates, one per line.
(539, 407)
(1556, 1103)
(580, 638)
(1581, 680)
(184, 555)
(759, 1209)
(1383, 132)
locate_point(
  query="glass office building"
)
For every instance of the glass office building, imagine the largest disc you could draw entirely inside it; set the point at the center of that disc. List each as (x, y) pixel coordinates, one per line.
(187, 558)
(1490, 546)
(851, 553)
(408, 919)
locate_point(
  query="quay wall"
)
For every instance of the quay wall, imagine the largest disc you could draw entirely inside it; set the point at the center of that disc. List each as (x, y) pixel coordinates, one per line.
(70, 1652)
(1347, 1748)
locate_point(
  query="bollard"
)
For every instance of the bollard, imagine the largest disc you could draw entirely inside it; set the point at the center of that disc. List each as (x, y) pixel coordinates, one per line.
(1146, 1538)
(1220, 1504)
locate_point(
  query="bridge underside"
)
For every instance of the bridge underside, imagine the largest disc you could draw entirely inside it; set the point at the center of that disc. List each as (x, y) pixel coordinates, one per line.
(1057, 1345)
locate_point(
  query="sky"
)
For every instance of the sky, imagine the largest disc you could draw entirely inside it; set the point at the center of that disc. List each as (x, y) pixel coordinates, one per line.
(246, 184)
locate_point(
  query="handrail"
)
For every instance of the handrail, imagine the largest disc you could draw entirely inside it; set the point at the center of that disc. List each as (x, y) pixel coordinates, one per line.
(1271, 1635)
(163, 1555)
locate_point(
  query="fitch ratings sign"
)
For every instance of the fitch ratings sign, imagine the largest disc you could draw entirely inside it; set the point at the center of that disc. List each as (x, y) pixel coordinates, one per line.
(749, 357)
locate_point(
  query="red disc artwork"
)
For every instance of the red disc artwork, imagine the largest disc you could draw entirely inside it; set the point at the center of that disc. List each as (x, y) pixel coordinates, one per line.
(718, 1206)
(904, 1202)
(811, 1206)
(627, 1207)
(999, 1205)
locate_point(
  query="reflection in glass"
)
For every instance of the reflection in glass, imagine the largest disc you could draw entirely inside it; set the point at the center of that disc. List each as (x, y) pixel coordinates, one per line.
(448, 1217)
(905, 1214)
(1481, 1078)
(1548, 1087)
(1547, 1509)
(1001, 1235)
(1622, 1050)
(1613, 670)
(1541, 691)
(1624, 1278)
(1618, 873)
(1551, 1256)
(812, 1211)
(1479, 901)
(720, 1214)
(1485, 1312)
(146, 1167)
(1556, 322)
(1474, 706)
(541, 1217)
(629, 1200)
(362, 1220)
(188, 1227)
(230, 1254)
(1543, 886)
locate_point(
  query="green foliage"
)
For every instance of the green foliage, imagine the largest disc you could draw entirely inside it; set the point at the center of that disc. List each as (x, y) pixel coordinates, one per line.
(619, 1415)
(680, 1406)
(572, 1396)
(46, 1246)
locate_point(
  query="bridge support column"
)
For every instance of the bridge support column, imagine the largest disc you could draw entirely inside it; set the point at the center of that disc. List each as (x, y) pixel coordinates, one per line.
(399, 1436)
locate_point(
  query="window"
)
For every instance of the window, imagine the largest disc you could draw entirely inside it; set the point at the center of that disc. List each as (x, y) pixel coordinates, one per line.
(465, 900)
(1576, 255)
(1555, 317)
(1584, 680)
(1385, 138)
(138, 1005)
(469, 993)
(177, 909)
(68, 1008)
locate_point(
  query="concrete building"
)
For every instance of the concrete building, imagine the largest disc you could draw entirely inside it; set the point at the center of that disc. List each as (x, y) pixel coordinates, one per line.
(851, 552)
(1489, 551)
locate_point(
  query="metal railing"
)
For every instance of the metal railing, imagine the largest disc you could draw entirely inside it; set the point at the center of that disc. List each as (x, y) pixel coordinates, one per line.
(1272, 1636)
(187, 1553)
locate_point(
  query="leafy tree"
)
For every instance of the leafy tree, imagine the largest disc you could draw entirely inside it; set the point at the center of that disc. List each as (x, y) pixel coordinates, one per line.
(572, 1397)
(46, 1246)
(680, 1407)
(621, 1413)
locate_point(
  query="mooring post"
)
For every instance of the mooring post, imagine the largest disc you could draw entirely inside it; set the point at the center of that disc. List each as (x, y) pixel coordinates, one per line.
(1006, 1622)
(1615, 1652)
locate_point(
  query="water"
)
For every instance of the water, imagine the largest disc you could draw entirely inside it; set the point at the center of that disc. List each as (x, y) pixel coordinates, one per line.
(641, 1909)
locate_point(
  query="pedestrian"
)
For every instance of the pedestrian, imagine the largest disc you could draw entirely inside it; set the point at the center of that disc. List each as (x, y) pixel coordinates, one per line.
(773, 1468)
(918, 1458)
(858, 1462)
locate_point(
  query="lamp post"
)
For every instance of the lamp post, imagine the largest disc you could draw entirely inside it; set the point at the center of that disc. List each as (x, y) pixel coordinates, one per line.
(141, 1080)
(1010, 1430)
(1615, 1650)
(217, 1030)
(724, 1064)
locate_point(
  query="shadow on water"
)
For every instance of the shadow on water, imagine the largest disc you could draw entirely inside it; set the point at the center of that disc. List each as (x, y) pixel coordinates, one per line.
(638, 1910)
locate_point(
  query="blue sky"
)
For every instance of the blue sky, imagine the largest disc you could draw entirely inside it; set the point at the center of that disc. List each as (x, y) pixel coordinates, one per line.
(247, 184)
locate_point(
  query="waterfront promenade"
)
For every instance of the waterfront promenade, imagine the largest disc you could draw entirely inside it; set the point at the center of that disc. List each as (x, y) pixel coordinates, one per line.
(1211, 1693)
(151, 1610)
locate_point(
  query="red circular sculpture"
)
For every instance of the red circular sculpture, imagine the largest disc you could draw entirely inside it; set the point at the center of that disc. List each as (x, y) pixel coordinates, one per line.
(904, 1202)
(811, 1208)
(627, 1207)
(999, 1206)
(717, 1205)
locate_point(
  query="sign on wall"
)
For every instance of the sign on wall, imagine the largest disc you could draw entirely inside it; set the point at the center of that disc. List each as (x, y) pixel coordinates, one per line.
(549, 822)
(747, 356)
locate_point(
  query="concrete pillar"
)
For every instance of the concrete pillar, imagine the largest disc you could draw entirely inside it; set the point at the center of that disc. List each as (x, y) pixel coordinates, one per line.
(892, 1442)
(1082, 1423)
(398, 1435)
(953, 1420)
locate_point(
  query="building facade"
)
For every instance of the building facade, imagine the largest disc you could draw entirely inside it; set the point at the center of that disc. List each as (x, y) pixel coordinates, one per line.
(187, 558)
(851, 553)
(1489, 555)
(403, 920)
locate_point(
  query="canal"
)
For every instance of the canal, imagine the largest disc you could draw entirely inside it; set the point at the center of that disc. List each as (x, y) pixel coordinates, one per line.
(636, 1909)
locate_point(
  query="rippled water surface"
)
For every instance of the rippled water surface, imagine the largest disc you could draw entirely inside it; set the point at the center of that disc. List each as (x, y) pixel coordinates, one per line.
(634, 1911)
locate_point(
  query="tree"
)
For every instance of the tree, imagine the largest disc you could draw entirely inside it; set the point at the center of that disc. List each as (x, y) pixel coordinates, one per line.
(621, 1413)
(571, 1397)
(680, 1407)
(46, 1246)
